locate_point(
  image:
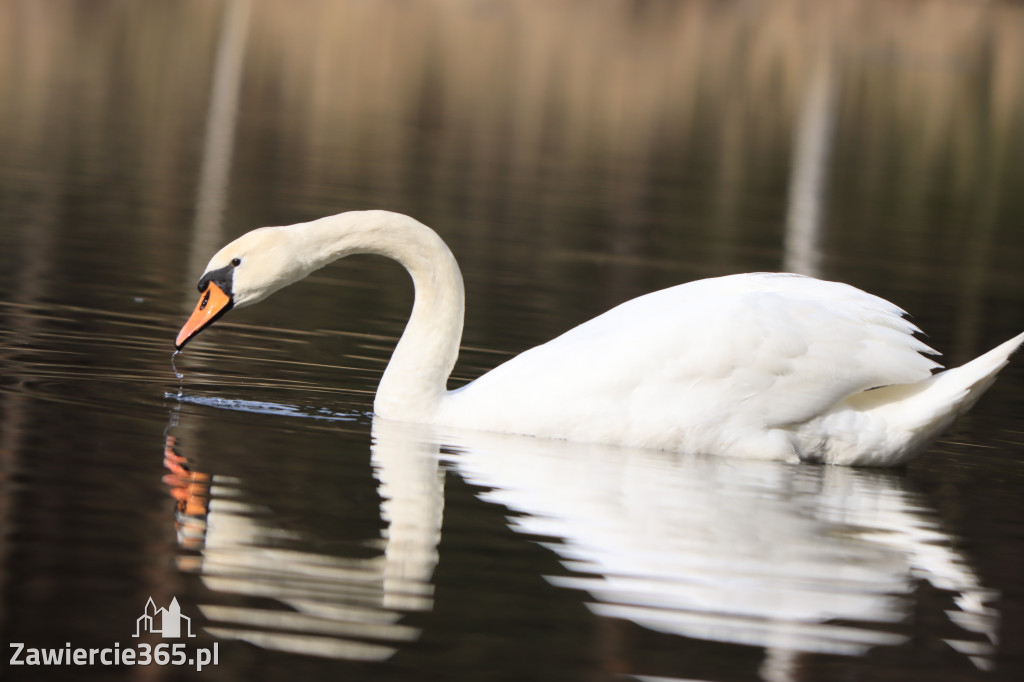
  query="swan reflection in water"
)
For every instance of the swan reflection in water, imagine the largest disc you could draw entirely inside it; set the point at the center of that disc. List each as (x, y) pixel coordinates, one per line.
(325, 605)
(787, 557)
(795, 559)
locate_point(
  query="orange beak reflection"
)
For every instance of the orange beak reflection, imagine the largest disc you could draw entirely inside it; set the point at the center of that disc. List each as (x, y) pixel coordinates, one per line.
(212, 304)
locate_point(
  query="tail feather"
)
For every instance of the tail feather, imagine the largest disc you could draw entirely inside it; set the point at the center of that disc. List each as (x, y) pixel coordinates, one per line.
(965, 384)
(904, 419)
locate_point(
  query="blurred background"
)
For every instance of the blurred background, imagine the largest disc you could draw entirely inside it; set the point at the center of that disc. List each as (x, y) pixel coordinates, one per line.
(574, 154)
(693, 138)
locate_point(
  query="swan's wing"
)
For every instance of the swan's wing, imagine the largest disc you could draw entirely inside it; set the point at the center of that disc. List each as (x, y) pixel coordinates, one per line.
(792, 347)
(762, 350)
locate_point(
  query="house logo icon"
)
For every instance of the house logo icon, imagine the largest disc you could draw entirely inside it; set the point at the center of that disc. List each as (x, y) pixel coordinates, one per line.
(165, 622)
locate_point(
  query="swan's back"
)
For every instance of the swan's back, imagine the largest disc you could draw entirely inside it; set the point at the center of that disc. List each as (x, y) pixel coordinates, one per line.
(728, 365)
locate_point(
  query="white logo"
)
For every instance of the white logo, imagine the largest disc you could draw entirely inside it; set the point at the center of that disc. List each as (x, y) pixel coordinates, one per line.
(164, 622)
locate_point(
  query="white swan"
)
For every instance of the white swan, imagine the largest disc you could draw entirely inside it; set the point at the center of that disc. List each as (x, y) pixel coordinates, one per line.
(770, 366)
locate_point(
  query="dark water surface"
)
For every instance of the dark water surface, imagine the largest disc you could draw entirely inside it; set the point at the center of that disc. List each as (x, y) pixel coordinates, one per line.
(573, 155)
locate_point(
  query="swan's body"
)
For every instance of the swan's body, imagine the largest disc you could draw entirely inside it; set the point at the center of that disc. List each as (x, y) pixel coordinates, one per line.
(772, 366)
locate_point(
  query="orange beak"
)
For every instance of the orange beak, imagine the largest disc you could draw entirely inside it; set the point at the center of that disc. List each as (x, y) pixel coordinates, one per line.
(212, 304)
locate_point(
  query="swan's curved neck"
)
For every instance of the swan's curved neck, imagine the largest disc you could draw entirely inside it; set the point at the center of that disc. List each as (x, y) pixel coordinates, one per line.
(415, 380)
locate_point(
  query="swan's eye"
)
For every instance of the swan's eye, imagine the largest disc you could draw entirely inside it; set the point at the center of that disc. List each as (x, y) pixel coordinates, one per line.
(236, 262)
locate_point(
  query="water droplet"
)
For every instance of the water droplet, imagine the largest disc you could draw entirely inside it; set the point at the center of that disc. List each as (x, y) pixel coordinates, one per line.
(177, 374)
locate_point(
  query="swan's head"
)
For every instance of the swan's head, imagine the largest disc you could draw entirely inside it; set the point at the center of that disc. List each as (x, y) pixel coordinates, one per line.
(245, 272)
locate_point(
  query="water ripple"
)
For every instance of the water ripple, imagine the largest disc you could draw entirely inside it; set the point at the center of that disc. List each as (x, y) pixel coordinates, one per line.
(271, 408)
